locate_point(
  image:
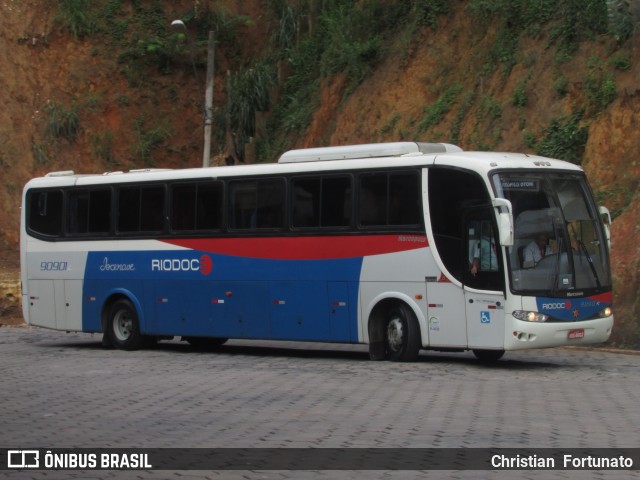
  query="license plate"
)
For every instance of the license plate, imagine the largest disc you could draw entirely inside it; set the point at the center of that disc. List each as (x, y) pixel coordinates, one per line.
(575, 334)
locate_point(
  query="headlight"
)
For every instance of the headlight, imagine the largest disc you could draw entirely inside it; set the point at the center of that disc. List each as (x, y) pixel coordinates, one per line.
(529, 316)
(605, 312)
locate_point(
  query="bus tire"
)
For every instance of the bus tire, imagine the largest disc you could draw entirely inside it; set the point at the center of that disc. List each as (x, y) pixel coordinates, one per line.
(402, 334)
(488, 356)
(123, 326)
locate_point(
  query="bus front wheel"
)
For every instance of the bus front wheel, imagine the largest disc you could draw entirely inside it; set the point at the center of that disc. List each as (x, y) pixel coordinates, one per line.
(123, 327)
(402, 334)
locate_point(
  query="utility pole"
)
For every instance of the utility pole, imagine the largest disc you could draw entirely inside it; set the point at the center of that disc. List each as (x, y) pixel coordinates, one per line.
(208, 103)
(208, 96)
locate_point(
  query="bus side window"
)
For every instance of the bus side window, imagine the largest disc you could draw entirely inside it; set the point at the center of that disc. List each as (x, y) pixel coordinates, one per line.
(45, 212)
(141, 209)
(405, 199)
(152, 209)
(336, 201)
(89, 211)
(306, 202)
(209, 201)
(128, 209)
(321, 202)
(483, 261)
(183, 199)
(390, 199)
(372, 199)
(452, 193)
(256, 204)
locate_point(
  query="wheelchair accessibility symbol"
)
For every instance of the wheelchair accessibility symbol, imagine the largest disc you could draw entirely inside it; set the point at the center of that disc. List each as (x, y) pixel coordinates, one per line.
(485, 317)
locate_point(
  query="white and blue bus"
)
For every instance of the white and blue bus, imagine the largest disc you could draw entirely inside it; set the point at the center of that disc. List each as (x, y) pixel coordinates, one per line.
(401, 246)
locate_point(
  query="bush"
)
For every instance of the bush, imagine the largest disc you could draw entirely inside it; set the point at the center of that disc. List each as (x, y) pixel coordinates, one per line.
(624, 18)
(78, 17)
(564, 139)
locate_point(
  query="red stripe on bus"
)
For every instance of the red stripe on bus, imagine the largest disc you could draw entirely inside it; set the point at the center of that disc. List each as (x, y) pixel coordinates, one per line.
(305, 248)
(606, 298)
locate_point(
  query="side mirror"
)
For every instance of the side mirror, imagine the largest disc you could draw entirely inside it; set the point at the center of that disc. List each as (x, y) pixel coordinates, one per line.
(606, 221)
(505, 221)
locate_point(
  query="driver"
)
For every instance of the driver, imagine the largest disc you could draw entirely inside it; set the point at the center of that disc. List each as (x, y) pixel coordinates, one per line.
(536, 251)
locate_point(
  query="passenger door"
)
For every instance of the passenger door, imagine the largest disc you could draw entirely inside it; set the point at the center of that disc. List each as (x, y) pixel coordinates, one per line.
(483, 281)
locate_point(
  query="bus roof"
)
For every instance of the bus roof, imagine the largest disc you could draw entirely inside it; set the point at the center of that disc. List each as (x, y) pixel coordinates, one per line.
(481, 162)
(485, 162)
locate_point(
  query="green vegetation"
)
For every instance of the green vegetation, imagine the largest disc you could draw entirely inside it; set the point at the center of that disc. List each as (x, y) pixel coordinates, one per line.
(427, 11)
(561, 86)
(435, 112)
(78, 16)
(621, 62)
(248, 93)
(461, 112)
(624, 18)
(39, 153)
(60, 122)
(567, 23)
(339, 37)
(102, 148)
(319, 40)
(617, 197)
(519, 97)
(564, 139)
(599, 85)
(487, 131)
(389, 127)
(148, 140)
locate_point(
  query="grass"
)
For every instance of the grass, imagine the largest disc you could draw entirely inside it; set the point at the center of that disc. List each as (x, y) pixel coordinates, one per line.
(62, 123)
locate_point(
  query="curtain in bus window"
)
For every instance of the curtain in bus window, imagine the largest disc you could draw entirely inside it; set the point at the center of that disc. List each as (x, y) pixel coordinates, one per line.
(45, 212)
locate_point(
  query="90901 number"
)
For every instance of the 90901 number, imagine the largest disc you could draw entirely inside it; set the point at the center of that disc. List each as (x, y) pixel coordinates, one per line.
(53, 266)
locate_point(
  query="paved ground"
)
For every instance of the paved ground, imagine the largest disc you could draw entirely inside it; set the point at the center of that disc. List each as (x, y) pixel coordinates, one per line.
(64, 390)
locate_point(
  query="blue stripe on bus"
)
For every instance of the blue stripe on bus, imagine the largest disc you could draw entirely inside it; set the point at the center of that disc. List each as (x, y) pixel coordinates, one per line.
(574, 309)
(188, 292)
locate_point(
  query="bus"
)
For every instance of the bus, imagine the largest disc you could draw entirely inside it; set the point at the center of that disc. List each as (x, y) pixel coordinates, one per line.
(403, 246)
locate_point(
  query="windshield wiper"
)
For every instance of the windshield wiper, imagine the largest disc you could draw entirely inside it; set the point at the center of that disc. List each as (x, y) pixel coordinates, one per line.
(586, 253)
(590, 260)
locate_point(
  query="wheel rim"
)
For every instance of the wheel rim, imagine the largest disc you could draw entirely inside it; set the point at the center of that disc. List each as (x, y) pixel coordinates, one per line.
(395, 334)
(122, 325)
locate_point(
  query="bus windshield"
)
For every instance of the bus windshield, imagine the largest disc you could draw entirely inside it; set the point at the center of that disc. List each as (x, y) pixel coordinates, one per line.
(559, 242)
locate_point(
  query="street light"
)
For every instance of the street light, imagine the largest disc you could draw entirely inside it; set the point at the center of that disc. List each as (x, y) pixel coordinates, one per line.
(208, 100)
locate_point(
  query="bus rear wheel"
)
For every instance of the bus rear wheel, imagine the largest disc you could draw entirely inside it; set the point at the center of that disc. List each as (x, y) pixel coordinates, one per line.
(123, 327)
(402, 334)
